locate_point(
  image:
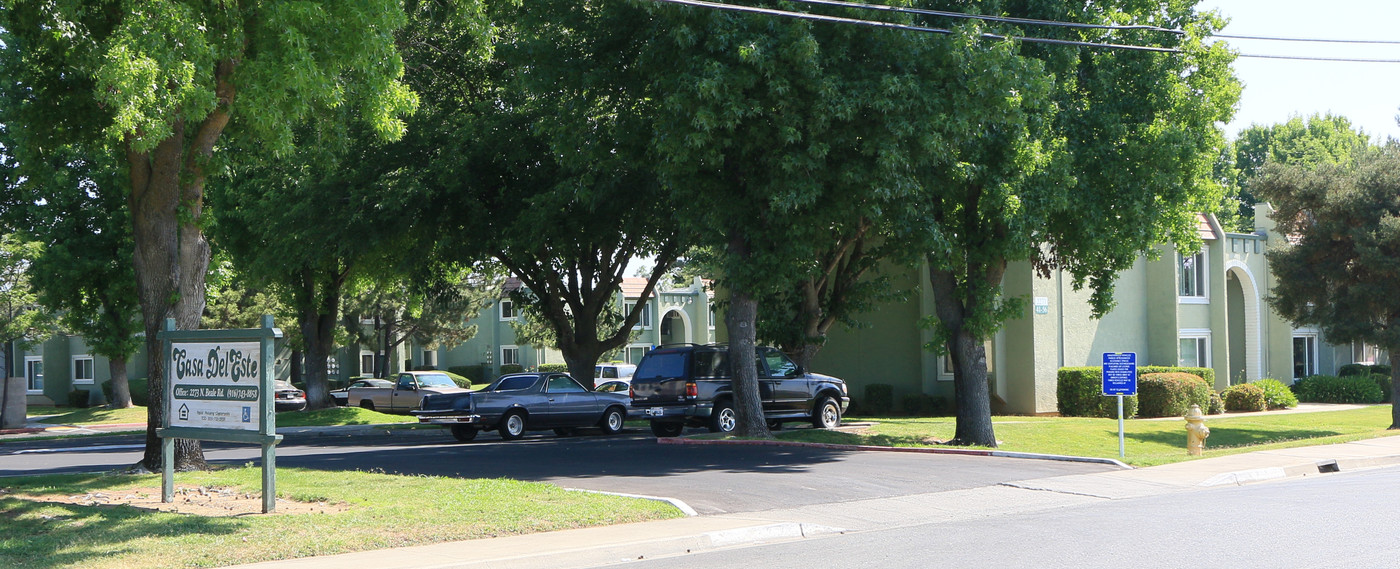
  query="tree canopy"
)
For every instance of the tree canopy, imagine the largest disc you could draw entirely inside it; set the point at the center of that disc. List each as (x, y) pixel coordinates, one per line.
(1319, 139)
(1340, 257)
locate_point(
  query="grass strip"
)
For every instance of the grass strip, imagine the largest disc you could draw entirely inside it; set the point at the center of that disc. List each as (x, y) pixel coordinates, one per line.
(1147, 443)
(382, 511)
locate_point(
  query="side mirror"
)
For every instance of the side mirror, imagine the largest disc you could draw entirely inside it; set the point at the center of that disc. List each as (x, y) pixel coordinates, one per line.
(797, 372)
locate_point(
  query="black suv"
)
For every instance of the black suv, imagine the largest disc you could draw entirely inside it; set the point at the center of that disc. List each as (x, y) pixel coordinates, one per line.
(676, 386)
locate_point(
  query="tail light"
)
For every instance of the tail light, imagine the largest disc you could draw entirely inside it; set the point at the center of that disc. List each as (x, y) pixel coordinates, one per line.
(691, 390)
(631, 393)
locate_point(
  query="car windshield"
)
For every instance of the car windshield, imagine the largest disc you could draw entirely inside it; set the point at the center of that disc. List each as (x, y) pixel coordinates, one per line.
(435, 380)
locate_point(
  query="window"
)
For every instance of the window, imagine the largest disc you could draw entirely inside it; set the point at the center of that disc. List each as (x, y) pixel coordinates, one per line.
(516, 382)
(1194, 350)
(778, 364)
(564, 384)
(510, 356)
(636, 352)
(712, 316)
(1192, 286)
(1304, 355)
(367, 366)
(508, 310)
(643, 319)
(83, 370)
(34, 373)
(430, 358)
(663, 365)
(1364, 353)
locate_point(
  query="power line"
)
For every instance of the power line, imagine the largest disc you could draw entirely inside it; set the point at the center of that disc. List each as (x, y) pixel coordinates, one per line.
(1001, 19)
(905, 27)
(1313, 40)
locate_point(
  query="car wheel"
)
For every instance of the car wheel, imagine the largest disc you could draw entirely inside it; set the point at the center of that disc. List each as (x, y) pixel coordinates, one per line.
(464, 433)
(367, 405)
(512, 426)
(661, 429)
(612, 421)
(724, 419)
(827, 414)
(563, 432)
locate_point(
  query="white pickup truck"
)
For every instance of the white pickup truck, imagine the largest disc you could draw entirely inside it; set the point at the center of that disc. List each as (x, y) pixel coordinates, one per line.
(408, 390)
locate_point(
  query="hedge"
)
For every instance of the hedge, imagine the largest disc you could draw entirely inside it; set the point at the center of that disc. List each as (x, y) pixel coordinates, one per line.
(1384, 382)
(475, 373)
(554, 368)
(1205, 373)
(138, 391)
(511, 368)
(879, 399)
(79, 398)
(1171, 394)
(1080, 394)
(1333, 389)
(1276, 394)
(1362, 369)
(1244, 397)
(924, 405)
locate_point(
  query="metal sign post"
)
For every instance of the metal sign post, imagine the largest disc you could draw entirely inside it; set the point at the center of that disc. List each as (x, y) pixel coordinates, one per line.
(1120, 378)
(218, 387)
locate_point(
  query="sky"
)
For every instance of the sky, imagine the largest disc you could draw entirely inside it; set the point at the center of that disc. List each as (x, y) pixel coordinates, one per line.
(1366, 93)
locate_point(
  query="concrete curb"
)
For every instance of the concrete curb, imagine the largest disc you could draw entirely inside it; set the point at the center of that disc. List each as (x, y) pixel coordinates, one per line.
(831, 446)
(1241, 477)
(678, 504)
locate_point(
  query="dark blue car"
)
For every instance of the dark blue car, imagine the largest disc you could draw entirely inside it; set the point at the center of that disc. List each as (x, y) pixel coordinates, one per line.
(523, 402)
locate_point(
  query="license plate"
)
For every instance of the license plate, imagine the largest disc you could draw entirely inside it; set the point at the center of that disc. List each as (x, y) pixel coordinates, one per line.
(654, 411)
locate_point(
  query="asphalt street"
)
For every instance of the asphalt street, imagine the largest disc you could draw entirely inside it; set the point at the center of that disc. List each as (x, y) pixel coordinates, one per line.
(1339, 521)
(711, 479)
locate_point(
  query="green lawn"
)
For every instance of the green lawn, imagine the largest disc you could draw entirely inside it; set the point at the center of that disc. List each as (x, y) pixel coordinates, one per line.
(383, 511)
(96, 416)
(1147, 443)
(320, 418)
(37, 410)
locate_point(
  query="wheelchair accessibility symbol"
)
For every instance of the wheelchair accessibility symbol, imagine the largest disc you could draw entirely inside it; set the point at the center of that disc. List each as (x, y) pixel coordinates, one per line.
(247, 414)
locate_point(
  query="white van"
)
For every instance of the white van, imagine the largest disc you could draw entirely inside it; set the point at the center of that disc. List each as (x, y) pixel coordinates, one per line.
(613, 372)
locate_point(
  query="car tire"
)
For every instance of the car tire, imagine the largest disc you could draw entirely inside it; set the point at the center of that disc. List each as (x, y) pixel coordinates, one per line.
(563, 432)
(367, 405)
(512, 426)
(464, 433)
(666, 430)
(827, 414)
(724, 419)
(613, 420)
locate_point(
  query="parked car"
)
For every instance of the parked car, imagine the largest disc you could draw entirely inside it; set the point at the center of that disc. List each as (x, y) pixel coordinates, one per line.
(690, 385)
(406, 392)
(523, 402)
(613, 386)
(342, 396)
(286, 397)
(613, 372)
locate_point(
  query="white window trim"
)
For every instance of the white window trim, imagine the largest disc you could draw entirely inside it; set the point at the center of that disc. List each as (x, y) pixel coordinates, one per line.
(1195, 334)
(943, 372)
(506, 347)
(501, 310)
(713, 316)
(74, 369)
(1316, 349)
(372, 357)
(1203, 268)
(39, 359)
(430, 354)
(646, 312)
(627, 351)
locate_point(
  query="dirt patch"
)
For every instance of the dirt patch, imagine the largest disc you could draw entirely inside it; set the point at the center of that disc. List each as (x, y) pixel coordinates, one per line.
(194, 500)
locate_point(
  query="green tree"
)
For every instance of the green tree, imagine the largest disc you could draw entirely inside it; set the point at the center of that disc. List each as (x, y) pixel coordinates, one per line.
(1076, 159)
(1338, 267)
(544, 168)
(162, 81)
(431, 309)
(22, 319)
(1319, 139)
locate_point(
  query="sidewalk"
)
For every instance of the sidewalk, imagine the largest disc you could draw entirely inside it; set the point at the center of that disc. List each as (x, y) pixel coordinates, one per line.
(669, 538)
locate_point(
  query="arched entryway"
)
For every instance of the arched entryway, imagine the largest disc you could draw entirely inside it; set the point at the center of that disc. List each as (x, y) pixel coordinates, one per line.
(675, 328)
(1242, 312)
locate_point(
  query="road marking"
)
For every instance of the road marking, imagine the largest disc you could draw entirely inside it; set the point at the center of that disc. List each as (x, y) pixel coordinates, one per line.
(78, 449)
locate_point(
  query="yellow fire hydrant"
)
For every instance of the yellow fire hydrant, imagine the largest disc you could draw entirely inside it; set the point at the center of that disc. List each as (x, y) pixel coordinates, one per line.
(1196, 431)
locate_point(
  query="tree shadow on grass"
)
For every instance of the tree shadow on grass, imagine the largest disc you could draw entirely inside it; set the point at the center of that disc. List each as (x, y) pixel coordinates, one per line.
(43, 535)
(1223, 436)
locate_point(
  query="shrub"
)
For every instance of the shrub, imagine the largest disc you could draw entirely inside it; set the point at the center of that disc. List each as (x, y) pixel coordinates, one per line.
(879, 399)
(461, 382)
(1171, 394)
(1217, 405)
(554, 368)
(1349, 370)
(511, 368)
(1205, 373)
(1079, 391)
(79, 398)
(1245, 397)
(424, 368)
(1276, 394)
(477, 374)
(924, 405)
(1333, 389)
(1384, 382)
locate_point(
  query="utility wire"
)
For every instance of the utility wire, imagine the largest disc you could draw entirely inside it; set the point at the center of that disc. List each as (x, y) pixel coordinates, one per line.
(893, 26)
(1001, 19)
(1312, 40)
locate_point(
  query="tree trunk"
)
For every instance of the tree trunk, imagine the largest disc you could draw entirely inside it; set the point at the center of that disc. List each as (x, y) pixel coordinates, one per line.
(581, 363)
(294, 368)
(748, 401)
(318, 320)
(968, 355)
(121, 388)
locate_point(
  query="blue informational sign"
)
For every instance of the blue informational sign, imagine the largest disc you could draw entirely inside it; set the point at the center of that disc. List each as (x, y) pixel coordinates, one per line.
(1120, 374)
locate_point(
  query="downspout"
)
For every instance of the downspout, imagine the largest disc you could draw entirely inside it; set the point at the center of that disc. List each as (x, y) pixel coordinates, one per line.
(1060, 312)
